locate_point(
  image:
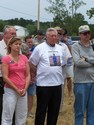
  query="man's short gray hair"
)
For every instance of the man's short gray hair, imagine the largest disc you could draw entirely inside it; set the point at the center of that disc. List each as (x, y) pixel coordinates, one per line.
(51, 29)
(7, 27)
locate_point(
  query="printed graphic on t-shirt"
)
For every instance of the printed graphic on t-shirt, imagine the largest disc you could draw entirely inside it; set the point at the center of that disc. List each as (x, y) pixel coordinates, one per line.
(54, 58)
(69, 61)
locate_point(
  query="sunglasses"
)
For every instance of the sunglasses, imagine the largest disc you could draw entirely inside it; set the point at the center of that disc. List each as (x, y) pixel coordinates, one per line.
(59, 33)
(85, 33)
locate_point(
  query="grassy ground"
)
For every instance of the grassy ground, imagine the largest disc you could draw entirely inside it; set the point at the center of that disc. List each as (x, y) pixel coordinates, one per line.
(66, 117)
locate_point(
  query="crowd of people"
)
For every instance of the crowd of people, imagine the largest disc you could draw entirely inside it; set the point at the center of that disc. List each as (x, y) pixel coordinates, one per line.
(42, 66)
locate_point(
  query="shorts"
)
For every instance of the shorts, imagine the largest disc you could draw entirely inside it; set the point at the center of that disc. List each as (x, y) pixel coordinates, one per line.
(31, 89)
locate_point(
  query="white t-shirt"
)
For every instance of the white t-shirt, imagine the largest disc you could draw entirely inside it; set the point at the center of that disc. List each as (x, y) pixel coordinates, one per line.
(3, 51)
(68, 69)
(49, 61)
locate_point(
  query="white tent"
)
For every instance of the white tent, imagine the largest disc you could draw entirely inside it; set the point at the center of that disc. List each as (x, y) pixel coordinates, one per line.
(21, 31)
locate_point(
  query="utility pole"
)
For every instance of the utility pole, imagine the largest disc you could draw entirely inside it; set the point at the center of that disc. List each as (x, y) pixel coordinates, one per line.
(72, 7)
(38, 25)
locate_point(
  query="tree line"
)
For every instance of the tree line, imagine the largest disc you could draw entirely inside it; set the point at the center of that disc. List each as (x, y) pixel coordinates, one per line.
(64, 17)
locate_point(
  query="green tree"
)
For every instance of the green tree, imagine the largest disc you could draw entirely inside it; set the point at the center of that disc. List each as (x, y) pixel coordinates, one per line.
(90, 13)
(72, 23)
(58, 9)
(62, 11)
(31, 28)
(2, 24)
(66, 16)
(74, 5)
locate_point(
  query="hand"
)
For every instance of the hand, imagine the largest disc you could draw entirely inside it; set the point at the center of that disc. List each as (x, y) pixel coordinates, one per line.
(22, 92)
(84, 58)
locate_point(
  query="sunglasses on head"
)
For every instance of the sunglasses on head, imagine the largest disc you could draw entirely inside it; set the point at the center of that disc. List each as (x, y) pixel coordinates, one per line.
(85, 33)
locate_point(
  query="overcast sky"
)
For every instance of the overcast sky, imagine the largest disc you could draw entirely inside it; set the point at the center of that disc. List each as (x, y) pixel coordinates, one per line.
(28, 9)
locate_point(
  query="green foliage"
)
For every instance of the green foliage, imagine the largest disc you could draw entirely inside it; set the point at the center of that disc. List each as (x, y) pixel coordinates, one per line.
(31, 28)
(69, 22)
(90, 13)
(57, 8)
(21, 22)
(2, 24)
(72, 23)
(74, 5)
(67, 16)
(58, 21)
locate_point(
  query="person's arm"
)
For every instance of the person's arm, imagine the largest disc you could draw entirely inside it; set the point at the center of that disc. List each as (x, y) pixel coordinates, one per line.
(79, 60)
(5, 73)
(34, 60)
(32, 72)
(89, 59)
(33, 68)
(27, 79)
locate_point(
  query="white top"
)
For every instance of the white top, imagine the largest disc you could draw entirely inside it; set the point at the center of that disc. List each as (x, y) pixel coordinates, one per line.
(68, 69)
(49, 61)
(65, 48)
(3, 51)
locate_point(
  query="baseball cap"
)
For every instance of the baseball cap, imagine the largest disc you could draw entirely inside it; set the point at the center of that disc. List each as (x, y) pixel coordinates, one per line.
(84, 28)
(58, 28)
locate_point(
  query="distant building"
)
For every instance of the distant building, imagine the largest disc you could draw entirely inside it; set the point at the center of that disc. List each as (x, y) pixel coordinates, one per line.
(21, 31)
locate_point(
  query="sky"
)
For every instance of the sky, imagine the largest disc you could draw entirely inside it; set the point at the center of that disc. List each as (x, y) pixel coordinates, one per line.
(28, 9)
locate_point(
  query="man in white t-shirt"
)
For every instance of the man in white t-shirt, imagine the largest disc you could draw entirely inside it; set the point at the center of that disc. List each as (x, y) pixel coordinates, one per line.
(46, 61)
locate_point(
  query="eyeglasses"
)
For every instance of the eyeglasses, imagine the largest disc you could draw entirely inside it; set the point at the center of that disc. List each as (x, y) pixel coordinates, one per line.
(52, 36)
(85, 33)
(59, 33)
(13, 34)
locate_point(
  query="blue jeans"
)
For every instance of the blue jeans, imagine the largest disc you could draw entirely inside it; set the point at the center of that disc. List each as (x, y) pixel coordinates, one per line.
(84, 102)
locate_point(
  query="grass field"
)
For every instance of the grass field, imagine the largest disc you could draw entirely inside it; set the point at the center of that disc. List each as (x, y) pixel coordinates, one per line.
(66, 117)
